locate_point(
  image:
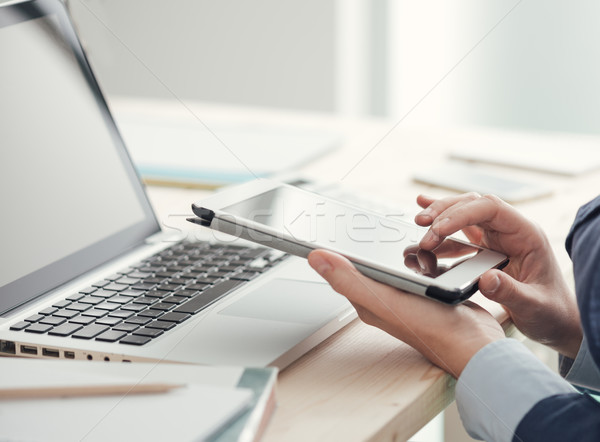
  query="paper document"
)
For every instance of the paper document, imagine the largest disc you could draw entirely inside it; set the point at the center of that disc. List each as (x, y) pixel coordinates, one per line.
(197, 154)
(195, 412)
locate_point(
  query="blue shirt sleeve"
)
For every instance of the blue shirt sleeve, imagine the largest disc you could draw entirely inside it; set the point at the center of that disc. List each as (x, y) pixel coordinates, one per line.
(563, 417)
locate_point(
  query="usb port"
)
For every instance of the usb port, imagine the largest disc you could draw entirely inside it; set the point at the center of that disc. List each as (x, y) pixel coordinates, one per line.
(29, 350)
(69, 354)
(50, 352)
(8, 347)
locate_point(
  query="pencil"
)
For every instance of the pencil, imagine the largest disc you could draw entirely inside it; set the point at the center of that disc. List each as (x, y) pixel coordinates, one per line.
(85, 390)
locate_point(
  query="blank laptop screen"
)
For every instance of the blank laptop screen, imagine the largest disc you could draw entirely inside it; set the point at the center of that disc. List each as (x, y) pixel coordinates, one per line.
(69, 195)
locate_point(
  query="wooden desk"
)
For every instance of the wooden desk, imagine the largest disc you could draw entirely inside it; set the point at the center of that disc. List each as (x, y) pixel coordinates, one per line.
(362, 384)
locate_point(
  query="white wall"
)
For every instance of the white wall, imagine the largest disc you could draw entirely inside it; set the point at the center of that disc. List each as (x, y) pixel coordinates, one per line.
(264, 52)
(535, 67)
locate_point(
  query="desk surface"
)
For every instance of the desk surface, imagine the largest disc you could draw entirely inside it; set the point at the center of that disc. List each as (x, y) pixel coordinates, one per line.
(362, 384)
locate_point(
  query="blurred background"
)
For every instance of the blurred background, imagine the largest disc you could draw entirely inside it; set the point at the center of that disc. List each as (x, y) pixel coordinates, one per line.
(525, 65)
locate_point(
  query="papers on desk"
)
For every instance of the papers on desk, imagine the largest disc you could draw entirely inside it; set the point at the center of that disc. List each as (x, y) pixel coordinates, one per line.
(189, 153)
(215, 403)
(563, 154)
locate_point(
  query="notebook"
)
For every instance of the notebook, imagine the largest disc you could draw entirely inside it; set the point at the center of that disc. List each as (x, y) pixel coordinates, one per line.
(212, 403)
(87, 272)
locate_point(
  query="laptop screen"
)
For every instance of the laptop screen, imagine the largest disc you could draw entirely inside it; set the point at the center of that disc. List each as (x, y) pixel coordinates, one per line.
(70, 196)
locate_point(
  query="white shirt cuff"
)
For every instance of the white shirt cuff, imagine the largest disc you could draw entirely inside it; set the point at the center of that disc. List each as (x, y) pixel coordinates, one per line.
(583, 371)
(499, 386)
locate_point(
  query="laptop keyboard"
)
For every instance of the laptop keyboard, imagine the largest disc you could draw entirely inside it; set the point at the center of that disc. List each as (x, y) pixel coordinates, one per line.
(144, 301)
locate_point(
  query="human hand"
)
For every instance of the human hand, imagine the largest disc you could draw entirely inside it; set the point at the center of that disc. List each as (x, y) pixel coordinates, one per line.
(449, 336)
(531, 288)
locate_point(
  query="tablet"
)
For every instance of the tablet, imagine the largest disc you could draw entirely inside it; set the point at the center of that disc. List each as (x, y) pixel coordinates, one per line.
(381, 246)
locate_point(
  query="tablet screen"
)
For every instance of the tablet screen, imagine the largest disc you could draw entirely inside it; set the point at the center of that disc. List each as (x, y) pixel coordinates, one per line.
(383, 239)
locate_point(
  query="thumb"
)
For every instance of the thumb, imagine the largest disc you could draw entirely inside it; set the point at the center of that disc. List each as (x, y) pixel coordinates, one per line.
(339, 273)
(502, 288)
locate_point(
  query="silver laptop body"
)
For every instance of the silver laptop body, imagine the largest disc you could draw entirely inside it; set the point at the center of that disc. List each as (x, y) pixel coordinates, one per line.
(75, 214)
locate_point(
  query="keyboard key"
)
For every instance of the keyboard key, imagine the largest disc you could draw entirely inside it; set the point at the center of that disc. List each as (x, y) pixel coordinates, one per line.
(141, 286)
(123, 314)
(53, 320)
(114, 287)
(163, 306)
(61, 304)
(48, 311)
(88, 290)
(150, 313)
(95, 313)
(163, 325)
(192, 288)
(150, 332)
(175, 317)
(253, 253)
(166, 274)
(38, 328)
(111, 336)
(34, 318)
(168, 287)
(119, 299)
(157, 294)
(20, 325)
(66, 313)
(127, 280)
(90, 331)
(65, 329)
(245, 276)
(126, 327)
(139, 274)
(207, 297)
(133, 307)
(108, 320)
(108, 306)
(92, 300)
(205, 280)
(83, 320)
(101, 284)
(138, 320)
(75, 297)
(135, 340)
(145, 300)
(130, 293)
(102, 293)
(174, 300)
(79, 307)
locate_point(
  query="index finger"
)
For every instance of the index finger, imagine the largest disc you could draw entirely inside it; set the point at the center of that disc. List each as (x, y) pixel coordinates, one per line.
(487, 211)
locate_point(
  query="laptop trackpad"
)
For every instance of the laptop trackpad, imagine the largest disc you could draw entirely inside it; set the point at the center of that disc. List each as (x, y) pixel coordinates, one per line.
(290, 300)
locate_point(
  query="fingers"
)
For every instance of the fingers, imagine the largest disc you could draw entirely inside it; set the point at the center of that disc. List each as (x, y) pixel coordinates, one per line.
(500, 287)
(434, 207)
(452, 215)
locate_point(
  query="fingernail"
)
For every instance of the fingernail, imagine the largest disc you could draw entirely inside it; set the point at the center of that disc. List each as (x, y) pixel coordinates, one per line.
(320, 264)
(494, 284)
(430, 236)
(425, 212)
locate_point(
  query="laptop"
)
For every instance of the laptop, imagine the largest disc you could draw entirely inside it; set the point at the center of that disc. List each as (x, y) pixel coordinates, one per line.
(87, 272)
